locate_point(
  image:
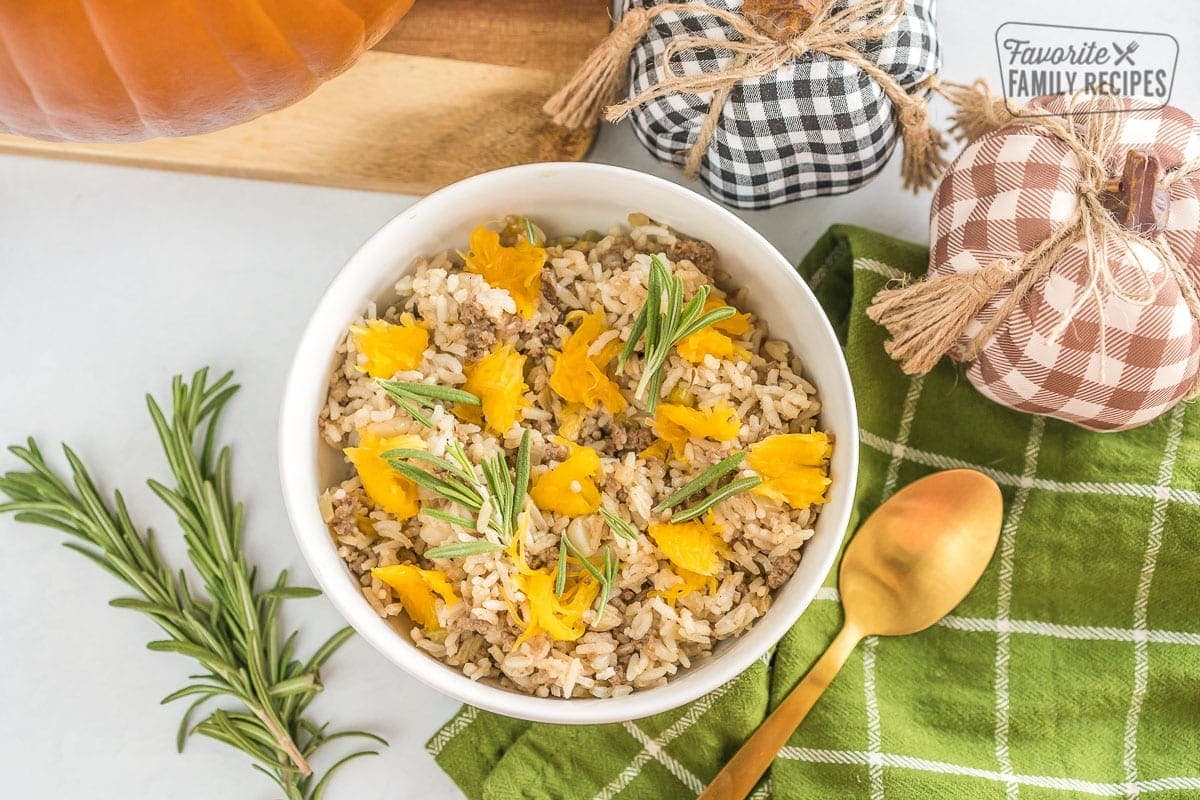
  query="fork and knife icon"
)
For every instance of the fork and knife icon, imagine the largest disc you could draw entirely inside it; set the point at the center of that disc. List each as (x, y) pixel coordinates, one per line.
(1125, 54)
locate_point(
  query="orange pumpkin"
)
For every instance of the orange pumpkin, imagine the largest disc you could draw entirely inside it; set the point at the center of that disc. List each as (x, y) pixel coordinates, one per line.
(125, 70)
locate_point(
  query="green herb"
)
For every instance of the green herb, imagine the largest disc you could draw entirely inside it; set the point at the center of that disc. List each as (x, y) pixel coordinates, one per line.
(530, 236)
(505, 490)
(702, 481)
(611, 567)
(463, 549)
(232, 628)
(411, 395)
(444, 516)
(619, 526)
(730, 489)
(560, 574)
(605, 577)
(660, 330)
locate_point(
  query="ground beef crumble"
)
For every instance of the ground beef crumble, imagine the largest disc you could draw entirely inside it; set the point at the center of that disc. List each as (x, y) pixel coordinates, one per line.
(782, 569)
(480, 335)
(629, 435)
(702, 254)
(347, 510)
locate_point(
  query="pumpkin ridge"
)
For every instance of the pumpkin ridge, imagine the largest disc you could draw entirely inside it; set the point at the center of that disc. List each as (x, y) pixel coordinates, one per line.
(6, 55)
(111, 62)
(252, 91)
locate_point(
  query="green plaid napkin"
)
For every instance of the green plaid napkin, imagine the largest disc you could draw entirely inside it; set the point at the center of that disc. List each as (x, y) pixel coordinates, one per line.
(1071, 670)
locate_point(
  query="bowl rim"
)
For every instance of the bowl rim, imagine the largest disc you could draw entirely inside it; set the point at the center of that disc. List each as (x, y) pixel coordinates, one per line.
(298, 446)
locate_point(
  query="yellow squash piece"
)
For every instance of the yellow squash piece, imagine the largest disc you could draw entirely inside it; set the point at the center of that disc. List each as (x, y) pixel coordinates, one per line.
(792, 466)
(710, 342)
(498, 380)
(693, 546)
(570, 421)
(417, 590)
(517, 269)
(579, 377)
(561, 618)
(569, 488)
(386, 488)
(689, 583)
(714, 340)
(389, 348)
(676, 424)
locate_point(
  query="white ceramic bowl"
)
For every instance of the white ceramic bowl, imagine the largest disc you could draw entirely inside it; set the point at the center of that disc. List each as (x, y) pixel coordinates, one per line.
(562, 198)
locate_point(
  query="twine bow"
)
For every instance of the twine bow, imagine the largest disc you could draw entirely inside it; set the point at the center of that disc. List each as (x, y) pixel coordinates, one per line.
(925, 319)
(755, 54)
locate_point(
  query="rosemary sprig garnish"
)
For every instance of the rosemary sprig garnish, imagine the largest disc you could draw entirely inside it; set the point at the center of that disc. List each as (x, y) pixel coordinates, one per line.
(730, 489)
(463, 549)
(410, 396)
(611, 567)
(606, 576)
(660, 330)
(505, 489)
(560, 574)
(619, 526)
(234, 631)
(702, 481)
(445, 516)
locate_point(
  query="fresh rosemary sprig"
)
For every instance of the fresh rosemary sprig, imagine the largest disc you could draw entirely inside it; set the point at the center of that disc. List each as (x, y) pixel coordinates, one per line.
(730, 489)
(619, 526)
(234, 632)
(505, 489)
(606, 576)
(463, 549)
(660, 329)
(611, 567)
(409, 396)
(702, 481)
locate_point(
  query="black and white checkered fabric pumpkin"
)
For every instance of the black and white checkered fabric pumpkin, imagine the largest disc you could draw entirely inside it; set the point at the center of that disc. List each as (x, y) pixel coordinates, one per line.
(817, 126)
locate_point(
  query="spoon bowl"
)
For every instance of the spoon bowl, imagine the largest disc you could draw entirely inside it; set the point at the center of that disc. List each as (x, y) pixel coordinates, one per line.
(920, 553)
(908, 566)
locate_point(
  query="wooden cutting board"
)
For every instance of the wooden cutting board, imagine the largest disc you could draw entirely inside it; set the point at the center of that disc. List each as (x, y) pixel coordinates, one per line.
(454, 90)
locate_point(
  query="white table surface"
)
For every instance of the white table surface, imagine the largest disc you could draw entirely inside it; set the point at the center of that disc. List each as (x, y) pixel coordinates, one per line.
(112, 280)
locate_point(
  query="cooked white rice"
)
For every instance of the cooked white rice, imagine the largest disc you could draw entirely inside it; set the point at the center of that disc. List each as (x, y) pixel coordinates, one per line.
(641, 639)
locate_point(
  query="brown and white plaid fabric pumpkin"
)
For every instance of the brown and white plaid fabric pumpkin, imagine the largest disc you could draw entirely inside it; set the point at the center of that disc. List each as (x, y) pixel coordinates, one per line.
(1003, 196)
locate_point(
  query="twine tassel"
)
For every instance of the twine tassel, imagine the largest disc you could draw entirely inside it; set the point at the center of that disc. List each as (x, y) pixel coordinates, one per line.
(599, 80)
(926, 318)
(924, 146)
(976, 110)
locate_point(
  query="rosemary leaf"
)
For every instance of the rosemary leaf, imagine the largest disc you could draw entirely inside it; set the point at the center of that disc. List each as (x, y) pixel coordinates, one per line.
(619, 526)
(428, 392)
(413, 454)
(660, 329)
(461, 549)
(521, 480)
(711, 318)
(702, 481)
(530, 236)
(444, 516)
(606, 585)
(413, 411)
(584, 561)
(560, 574)
(729, 490)
(454, 492)
(231, 627)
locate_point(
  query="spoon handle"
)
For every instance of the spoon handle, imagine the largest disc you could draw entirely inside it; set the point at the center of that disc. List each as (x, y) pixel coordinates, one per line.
(751, 761)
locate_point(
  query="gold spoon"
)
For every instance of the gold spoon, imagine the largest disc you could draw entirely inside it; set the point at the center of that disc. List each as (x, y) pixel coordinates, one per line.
(908, 566)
